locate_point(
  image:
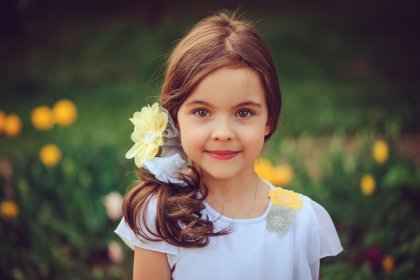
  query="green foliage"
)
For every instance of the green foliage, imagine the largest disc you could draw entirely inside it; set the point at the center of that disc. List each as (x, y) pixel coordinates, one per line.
(62, 229)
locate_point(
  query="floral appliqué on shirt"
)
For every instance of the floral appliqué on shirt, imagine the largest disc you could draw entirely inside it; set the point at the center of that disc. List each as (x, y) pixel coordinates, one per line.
(282, 214)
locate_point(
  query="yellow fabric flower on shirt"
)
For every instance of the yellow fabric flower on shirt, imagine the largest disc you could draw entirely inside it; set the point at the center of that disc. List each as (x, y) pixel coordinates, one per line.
(282, 214)
(149, 125)
(282, 197)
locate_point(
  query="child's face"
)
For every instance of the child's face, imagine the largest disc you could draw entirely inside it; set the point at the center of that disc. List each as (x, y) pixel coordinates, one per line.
(223, 123)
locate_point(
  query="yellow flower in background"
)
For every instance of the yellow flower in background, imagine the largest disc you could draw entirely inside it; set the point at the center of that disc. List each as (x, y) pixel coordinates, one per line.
(12, 125)
(264, 169)
(388, 263)
(50, 155)
(65, 112)
(282, 197)
(42, 118)
(367, 185)
(380, 151)
(149, 125)
(280, 175)
(9, 209)
(2, 120)
(283, 175)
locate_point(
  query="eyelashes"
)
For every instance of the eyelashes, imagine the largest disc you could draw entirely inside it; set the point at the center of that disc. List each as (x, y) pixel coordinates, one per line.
(241, 113)
(245, 113)
(201, 112)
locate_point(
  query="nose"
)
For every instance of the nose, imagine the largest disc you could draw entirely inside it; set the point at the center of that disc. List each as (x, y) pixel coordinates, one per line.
(223, 130)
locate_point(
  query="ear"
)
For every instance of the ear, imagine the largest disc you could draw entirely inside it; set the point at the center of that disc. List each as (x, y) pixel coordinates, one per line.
(267, 130)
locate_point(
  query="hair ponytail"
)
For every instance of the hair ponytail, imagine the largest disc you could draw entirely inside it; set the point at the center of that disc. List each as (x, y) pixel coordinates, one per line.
(178, 215)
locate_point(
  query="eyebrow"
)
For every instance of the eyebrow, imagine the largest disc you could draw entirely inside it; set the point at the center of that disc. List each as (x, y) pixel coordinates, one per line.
(245, 103)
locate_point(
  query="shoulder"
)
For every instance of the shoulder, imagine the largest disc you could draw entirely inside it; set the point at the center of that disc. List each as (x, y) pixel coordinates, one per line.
(311, 214)
(146, 222)
(145, 212)
(315, 228)
(309, 207)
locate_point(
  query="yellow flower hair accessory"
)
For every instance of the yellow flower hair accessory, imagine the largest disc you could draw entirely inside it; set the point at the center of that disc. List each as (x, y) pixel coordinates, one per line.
(149, 125)
(282, 214)
(156, 143)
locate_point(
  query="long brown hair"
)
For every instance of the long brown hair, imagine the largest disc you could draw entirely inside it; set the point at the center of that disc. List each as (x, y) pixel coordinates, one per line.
(218, 41)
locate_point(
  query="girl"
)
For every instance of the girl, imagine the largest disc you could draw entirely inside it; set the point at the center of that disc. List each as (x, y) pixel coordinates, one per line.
(200, 211)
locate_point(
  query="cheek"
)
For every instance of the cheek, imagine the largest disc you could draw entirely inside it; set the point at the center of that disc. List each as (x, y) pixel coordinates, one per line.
(255, 142)
(191, 140)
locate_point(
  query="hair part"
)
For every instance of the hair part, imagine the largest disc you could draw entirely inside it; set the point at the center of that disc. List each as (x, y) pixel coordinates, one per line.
(221, 40)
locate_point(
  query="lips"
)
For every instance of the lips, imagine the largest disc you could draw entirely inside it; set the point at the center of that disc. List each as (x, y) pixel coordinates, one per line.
(222, 154)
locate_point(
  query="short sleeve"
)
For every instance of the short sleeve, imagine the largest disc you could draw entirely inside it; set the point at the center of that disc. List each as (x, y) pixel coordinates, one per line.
(323, 239)
(329, 242)
(315, 238)
(132, 240)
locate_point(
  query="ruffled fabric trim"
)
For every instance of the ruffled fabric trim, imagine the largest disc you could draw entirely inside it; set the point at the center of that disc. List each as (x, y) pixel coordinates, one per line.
(318, 239)
(166, 169)
(329, 241)
(132, 240)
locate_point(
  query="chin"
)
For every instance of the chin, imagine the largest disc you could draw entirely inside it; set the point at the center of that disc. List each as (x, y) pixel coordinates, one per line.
(220, 174)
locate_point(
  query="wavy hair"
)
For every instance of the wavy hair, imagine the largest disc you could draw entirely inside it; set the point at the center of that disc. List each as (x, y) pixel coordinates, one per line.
(221, 40)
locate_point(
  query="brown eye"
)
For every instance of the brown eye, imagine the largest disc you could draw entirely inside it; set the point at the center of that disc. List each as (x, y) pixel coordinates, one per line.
(201, 112)
(244, 114)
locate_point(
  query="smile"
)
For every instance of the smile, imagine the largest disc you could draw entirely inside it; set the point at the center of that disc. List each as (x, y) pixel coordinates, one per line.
(222, 155)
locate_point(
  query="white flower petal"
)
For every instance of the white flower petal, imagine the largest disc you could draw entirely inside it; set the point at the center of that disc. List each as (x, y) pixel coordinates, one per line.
(161, 122)
(133, 151)
(155, 107)
(280, 219)
(137, 136)
(138, 161)
(140, 123)
(150, 125)
(150, 152)
(142, 149)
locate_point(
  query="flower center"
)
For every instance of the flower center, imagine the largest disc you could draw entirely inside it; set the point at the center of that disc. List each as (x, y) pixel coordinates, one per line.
(149, 137)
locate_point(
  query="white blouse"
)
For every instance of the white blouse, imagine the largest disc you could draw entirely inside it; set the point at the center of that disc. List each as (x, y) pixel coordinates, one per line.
(250, 252)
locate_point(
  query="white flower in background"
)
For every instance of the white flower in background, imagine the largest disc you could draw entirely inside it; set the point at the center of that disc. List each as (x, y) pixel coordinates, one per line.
(113, 205)
(115, 253)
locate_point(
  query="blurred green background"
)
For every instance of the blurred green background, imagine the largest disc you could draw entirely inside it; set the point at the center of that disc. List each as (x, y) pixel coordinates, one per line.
(348, 134)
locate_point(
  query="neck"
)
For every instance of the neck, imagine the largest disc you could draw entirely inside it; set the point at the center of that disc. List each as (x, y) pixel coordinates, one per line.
(232, 189)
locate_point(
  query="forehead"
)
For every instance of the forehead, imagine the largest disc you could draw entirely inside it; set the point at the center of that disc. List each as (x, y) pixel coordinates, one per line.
(228, 86)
